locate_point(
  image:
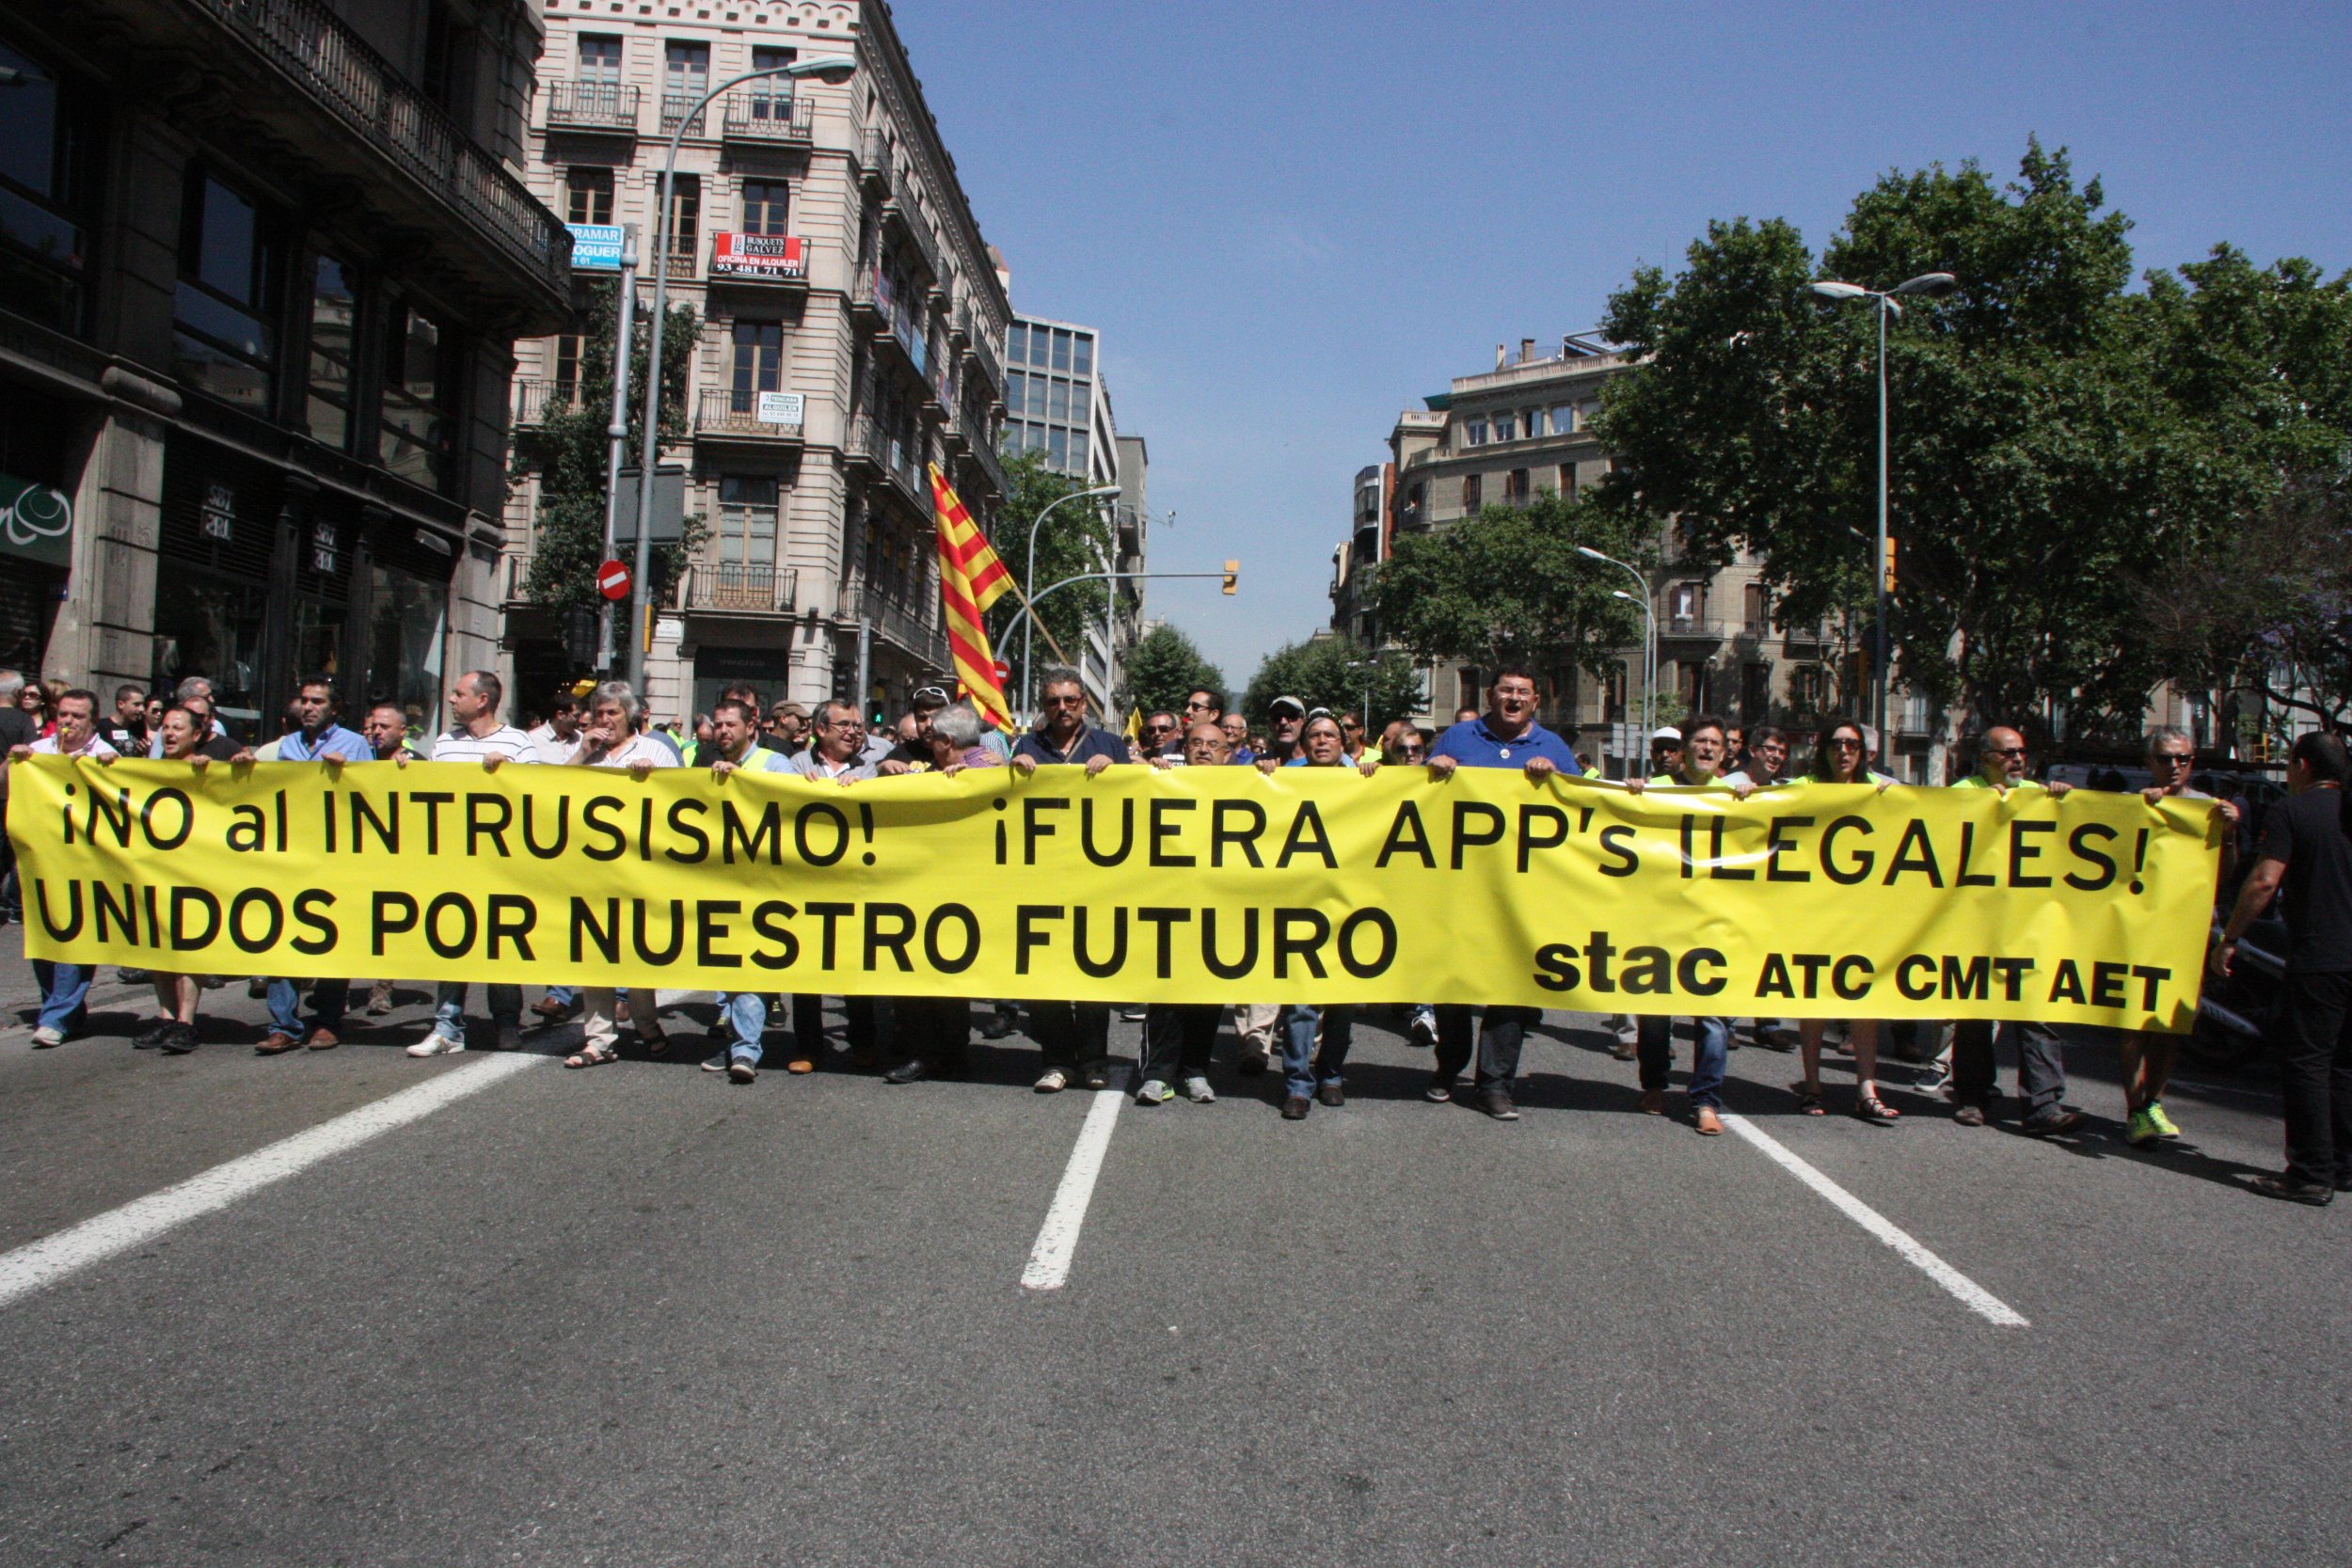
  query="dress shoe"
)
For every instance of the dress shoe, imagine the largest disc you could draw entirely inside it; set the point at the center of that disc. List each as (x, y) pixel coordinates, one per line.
(911, 1071)
(1331, 1094)
(1296, 1107)
(2059, 1118)
(1496, 1101)
(276, 1043)
(1653, 1102)
(1969, 1115)
(323, 1039)
(2312, 1193)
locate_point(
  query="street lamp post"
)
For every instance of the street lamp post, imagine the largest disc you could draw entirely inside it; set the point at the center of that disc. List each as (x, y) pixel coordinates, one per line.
(1928, 284)
(832, 68)
(1028, 582)
(616, 433)
(1650, 623)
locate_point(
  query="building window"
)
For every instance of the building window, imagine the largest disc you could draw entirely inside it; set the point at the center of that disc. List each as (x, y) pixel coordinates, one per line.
(1016, 390)
(567, 349)
(685, 216)
(599, 61)
(767, 207)
(1690, 683)
(1082, 355)
(1061, 349)
(1078, 450)
(587, 194)
(1567, 482)
(232, 268)
(1756, 607)
(747, 520)
(420, 422)
(1417, 495)
(1514, 490)
(1473, 492)
(1017, 343)
(758, 362)
(1686, 606)
(1057, 448)
(1612, 695)
(1505, 428)
(685, 77)
(334, 319)
(1057, 399)
(1474, 433)
(1756, 691)
(44, 159)
(1564, 419)
(1471, 693)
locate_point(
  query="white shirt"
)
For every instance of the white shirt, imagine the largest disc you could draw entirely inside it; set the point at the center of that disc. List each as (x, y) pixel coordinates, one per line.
(638, 749)
(553, 746)
(47, 747)
(505, 742)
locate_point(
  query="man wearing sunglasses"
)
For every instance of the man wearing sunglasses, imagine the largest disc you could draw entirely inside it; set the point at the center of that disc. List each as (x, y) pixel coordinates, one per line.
(2001, 758)
(1074, 1036)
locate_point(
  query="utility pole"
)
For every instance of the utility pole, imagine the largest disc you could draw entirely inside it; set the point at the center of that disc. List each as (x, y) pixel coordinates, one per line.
(616, 431)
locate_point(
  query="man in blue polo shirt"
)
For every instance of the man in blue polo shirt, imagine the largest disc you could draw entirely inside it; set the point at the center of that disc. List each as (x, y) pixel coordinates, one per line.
(1074, 1036)
(316, 739)
(1506, 735)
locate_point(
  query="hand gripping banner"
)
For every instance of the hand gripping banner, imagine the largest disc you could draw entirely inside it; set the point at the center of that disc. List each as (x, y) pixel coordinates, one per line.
(1202, 884)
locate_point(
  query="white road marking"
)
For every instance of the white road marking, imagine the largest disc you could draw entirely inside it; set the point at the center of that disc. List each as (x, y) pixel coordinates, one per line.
(1057, 1238)
(1972, 1295)
(37, 1265)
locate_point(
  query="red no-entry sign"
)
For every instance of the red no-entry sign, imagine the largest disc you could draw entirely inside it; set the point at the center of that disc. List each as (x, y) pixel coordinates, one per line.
(1004, 672)
(612, 581)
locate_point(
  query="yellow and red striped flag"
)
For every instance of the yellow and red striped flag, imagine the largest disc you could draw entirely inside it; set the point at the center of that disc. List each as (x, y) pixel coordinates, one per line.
(970, 579)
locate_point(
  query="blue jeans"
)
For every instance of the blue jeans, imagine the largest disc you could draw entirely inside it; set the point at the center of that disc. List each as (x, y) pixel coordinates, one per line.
(746, 1012)
(63, 989)
(1303, 1068)
(449, 1011)
(564, 994)
(285, 999)
(1655, 1033)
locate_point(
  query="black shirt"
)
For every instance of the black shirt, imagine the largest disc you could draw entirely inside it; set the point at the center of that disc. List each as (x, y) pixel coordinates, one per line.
(2306, 831)
(16, 729)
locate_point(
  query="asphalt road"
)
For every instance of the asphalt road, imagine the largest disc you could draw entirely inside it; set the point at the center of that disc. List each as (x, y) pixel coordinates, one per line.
(638, 1316)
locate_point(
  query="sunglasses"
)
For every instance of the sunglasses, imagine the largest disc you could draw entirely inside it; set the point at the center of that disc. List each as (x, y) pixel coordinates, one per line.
(2005, 751)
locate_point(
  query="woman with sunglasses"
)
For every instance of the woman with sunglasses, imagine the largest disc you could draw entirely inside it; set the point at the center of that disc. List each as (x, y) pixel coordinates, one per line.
(1841, 755)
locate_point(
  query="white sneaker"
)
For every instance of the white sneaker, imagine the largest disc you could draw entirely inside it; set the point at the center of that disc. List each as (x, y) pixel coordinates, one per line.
(1197, 1090)
(44, 1037)
(1422, 1032)
(437, 1044)
(1154, 1093)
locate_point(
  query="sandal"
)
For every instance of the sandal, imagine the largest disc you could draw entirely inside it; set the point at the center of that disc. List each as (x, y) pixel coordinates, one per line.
(1709, 1123)
(1808, 1099)
(592, 1055)
(1877, 1112)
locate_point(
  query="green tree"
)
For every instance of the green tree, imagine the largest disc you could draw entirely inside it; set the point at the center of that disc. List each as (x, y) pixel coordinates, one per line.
(1338, 673)
(1507, 586)
(2046, 455)
(1071, 542)
(1163, 665)
(569, 451)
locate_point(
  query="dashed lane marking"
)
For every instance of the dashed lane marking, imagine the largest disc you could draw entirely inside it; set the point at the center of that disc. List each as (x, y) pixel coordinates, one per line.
(1057, 1238)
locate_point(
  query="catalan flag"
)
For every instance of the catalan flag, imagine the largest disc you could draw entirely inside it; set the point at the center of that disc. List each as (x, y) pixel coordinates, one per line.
(970, 579)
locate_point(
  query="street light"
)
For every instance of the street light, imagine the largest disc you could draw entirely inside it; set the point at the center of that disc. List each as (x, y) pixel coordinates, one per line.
(833, 69)
(1649, 618)
(1028, 582)
(1929, 285)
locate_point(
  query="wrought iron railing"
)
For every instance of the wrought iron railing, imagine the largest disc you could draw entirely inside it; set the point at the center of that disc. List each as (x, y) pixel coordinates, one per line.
(742, 586)
(360, 86)
(758, 114)
(908, 623)
(591, 106)
(675, 106)
(901, 459)
(738, 413)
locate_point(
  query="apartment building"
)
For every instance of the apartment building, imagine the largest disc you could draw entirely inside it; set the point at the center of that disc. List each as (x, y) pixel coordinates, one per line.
(850, 331)
(1506, 435)
(261, 264)
(1057, 404)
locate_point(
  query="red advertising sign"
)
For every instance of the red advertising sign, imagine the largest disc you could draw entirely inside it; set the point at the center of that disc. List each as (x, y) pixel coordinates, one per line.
(774, 256)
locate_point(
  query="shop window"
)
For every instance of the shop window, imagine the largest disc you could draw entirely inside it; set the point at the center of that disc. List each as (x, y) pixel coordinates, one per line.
(44, 194)
(334, 319)
(419, 421)
(587, 194)
(405, 615)
(232, 268)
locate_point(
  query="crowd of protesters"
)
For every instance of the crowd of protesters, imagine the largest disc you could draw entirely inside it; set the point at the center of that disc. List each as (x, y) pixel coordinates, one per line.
(2300, 864)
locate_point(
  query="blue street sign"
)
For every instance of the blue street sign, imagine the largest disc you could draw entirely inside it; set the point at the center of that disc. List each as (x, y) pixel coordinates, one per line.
(596, 247)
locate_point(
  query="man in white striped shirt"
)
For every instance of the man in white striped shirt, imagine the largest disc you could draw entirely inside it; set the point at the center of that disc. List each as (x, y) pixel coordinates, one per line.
(479, 736)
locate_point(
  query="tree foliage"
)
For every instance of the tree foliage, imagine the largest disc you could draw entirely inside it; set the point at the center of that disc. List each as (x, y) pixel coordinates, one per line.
(1339, 674)
(2055, 438)
(1163, 665)
(569, 452)
(1072, 542)
(1508, 586)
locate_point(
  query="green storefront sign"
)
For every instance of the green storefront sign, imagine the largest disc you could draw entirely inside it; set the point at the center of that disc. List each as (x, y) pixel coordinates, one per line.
(35, 522)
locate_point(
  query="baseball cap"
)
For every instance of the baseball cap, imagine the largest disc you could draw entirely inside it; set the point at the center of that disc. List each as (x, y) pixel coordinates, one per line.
(1666, 732)
(1291, 703)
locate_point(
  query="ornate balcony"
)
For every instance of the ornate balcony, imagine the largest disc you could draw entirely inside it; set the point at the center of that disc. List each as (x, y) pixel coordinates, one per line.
(761, 419)
(739, 588)
(593, 108)
(768, 117)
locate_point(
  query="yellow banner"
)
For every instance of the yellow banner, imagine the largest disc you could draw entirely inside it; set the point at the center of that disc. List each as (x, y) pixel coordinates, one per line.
(1189, 885)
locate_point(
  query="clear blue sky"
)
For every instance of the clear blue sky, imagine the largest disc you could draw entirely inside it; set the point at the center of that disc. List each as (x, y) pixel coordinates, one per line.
(1289, 221)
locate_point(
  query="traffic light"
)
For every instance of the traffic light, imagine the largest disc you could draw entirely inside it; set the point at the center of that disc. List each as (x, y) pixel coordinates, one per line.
(1889, 567)
(1233, 577)
(843, 681)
